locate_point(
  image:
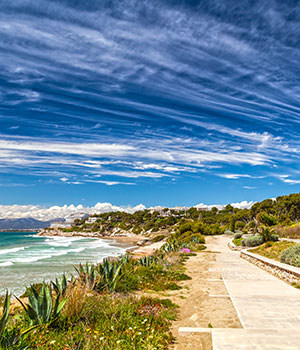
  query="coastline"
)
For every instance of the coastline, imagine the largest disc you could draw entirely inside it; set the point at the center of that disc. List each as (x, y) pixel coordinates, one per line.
(140, 247)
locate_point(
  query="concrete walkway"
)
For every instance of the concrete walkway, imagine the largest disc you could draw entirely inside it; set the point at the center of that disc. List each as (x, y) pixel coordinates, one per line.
(268, 308)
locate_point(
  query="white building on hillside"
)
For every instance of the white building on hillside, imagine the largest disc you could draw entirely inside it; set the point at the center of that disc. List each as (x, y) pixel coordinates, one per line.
(92, 220)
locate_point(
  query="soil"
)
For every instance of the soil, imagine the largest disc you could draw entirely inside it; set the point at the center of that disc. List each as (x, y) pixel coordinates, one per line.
(196, 307)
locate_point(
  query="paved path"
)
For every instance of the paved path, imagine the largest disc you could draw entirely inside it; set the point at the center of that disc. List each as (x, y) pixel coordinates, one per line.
(268, 308)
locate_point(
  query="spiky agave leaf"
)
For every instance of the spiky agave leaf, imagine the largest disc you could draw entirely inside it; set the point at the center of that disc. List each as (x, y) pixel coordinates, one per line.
(5, 313)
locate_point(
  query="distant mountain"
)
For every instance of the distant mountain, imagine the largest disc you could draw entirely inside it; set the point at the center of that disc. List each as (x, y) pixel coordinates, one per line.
(24, 224)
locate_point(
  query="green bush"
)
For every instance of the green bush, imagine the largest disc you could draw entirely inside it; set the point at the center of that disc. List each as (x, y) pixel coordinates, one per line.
(238, 235)
(291, 256)
(239, 225)
(158, 238)
(252, 241)
(196, 238)
(266, 219)
(185, 227)
(274, 237)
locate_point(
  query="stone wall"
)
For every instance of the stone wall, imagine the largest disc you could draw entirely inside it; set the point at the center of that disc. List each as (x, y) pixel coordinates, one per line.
(283, 271)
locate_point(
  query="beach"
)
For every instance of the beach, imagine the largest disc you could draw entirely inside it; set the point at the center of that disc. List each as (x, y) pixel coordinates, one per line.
(26, 258)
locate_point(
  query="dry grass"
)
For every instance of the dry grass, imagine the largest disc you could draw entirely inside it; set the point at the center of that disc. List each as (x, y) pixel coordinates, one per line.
(272, 250)
(289, 231)
(75, 302)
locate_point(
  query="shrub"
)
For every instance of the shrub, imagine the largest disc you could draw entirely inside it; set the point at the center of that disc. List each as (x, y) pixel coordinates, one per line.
(252, 241)
(196, 238)
(238, 241)
(240, 225)
(158, 238)
(266, 233)
(185, 227)
(238, 235)
(289, 231)
(274, 237)
(41, 308)
(266, 219)
(291, 256)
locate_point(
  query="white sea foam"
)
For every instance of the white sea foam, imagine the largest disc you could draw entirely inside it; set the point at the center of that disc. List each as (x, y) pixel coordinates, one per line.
(31, 259)
(6, 263)
(62, 241)
(11, 250)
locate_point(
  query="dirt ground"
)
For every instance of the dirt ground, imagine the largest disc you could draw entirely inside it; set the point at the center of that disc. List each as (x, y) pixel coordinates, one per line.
(197, 308)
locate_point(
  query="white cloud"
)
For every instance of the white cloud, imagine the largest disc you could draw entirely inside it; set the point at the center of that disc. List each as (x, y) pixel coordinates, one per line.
(290, 181)
(54, 212)
(239, 205)
(233, 176)
(44, 214)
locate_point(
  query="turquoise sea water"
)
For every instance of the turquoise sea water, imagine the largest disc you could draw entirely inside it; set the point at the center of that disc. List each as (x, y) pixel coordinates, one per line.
(26, 258)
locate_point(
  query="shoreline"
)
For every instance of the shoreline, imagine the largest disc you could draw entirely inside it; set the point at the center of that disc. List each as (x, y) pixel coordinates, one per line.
(139, 248)
(134, 250)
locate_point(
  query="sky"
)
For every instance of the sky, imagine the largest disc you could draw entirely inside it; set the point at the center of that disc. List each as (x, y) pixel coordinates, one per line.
(160, 102)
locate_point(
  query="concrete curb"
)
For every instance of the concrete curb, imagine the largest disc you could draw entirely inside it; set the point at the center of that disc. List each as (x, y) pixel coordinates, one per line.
(288, 273)
(232, 246)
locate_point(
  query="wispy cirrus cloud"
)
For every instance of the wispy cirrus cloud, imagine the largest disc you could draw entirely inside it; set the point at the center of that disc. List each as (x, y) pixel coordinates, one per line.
(122, 92)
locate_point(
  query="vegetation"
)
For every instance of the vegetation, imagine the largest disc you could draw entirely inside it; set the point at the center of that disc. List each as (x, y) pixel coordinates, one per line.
(238, 241)
(41, 308)
(97, 309)
(238, 235)
(252, 241)
(272, 250)
(280, 216)
(291, 255)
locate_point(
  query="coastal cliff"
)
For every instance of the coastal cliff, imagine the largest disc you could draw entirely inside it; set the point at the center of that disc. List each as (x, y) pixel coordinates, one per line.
(58, 232)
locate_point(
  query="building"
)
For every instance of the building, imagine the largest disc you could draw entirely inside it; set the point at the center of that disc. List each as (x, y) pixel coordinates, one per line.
(92, 219)
(69, 221)
(60, 224)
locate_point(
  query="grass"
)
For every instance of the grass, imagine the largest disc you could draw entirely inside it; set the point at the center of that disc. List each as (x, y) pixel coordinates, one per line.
(272, 250)
(104, 318)
(107, 322)
(238, 241)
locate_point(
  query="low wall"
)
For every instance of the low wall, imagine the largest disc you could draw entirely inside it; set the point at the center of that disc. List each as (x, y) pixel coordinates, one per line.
(232, 246)
(288, 273)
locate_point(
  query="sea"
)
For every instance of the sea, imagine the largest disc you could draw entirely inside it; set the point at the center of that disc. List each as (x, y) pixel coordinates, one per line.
(26, 258)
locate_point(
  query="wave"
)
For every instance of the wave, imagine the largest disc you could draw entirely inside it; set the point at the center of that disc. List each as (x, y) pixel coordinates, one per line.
(11, 250)
(50, 255)
(7, 263)
(31, 259)
(62, 241)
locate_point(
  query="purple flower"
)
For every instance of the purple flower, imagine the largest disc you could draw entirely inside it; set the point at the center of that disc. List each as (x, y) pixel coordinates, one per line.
(185, 250)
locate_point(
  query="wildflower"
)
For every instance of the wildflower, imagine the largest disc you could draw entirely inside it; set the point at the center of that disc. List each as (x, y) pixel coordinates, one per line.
(101, 338)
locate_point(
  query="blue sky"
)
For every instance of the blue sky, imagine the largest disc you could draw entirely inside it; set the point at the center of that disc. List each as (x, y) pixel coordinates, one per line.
(158, 102)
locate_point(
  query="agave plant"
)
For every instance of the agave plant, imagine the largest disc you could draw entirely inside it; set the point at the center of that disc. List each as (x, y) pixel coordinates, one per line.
(125, 259)
(5, 314)
(110, 273)
(87, 274)
(40, 308)
(10, 339)
(60, 285)
(148, 260)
